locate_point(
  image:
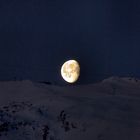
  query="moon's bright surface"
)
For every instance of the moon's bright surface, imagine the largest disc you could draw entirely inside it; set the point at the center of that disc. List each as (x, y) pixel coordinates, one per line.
(70, 71)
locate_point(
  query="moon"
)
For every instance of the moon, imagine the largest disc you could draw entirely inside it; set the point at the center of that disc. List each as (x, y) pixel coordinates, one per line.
(70, 71)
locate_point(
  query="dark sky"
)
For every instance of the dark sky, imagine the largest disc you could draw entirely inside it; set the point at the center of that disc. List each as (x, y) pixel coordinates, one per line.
(37, 36)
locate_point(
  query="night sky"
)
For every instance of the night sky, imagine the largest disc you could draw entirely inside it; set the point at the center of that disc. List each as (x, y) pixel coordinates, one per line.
(37, 36)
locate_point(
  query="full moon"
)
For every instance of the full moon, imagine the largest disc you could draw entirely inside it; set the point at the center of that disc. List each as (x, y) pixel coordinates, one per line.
(70, 71)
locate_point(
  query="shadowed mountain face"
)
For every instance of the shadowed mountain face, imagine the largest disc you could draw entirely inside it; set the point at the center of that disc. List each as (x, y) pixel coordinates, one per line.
(109, 110)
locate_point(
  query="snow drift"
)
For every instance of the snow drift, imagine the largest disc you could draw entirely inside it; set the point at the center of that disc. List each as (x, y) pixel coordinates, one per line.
(109, 110)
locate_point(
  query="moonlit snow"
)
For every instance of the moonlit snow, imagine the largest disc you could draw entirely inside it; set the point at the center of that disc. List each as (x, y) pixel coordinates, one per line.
(108, 110)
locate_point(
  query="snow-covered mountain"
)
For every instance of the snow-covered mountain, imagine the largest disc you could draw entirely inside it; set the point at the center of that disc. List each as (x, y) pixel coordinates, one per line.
(108, 110)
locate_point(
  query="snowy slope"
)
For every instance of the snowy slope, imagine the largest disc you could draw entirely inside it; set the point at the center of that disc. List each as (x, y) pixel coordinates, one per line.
(109, 110)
